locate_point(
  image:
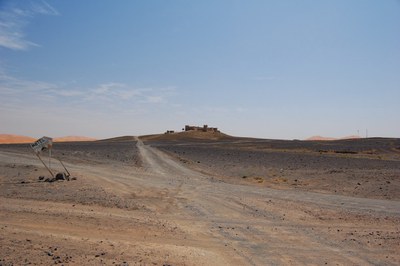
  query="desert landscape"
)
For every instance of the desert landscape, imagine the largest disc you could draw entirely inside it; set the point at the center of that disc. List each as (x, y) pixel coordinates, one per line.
(169, 133)
(203, 198)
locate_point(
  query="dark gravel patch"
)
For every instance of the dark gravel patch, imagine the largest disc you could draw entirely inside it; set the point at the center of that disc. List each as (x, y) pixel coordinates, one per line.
(124, 152)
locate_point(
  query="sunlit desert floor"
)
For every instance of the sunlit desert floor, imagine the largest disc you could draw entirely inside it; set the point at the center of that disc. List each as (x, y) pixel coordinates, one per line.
(222, 201)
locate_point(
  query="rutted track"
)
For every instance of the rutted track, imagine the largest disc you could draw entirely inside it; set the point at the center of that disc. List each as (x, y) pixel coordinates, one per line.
(187, 217)
(264, 226)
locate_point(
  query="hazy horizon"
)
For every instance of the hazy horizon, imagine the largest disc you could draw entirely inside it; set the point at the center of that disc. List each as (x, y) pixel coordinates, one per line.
(78, 137)
(267, 69)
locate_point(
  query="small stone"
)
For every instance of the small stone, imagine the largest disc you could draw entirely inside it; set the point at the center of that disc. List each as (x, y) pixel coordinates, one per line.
(60, 176)
(50, 180)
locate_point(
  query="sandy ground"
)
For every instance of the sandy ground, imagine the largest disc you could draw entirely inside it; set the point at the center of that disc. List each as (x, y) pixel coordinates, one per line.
(231, 202)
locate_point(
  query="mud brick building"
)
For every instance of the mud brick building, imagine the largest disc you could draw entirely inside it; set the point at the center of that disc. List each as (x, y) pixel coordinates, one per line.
(204, 128)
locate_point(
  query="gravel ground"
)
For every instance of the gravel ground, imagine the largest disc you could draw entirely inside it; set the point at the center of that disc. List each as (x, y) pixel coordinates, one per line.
(225, 201)
(363, 168)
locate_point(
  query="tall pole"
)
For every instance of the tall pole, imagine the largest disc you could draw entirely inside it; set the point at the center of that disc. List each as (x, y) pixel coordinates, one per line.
(64, 167)
(48, 169)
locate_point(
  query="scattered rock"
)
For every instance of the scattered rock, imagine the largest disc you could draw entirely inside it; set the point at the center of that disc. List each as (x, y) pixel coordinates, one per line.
(60, 176)
(41, 178)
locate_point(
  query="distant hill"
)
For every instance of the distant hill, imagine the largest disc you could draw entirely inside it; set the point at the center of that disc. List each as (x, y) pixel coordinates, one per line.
(320, 138)
(186, 135)
(73, 138)
(352, 137)
(9, 139)
(117, 139)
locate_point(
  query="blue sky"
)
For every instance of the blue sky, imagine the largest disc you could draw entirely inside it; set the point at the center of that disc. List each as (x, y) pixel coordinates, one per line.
(270, 69)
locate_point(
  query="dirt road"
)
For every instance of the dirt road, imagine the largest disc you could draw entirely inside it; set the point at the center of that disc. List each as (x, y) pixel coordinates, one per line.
(164, 213)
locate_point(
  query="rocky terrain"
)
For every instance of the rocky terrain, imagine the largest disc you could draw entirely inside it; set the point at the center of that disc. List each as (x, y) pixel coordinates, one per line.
(361, 167)
(203, 200)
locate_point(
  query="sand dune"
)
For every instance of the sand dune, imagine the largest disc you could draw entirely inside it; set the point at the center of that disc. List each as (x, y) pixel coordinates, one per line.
(329, 138)
(9, 138)
(73, 138)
